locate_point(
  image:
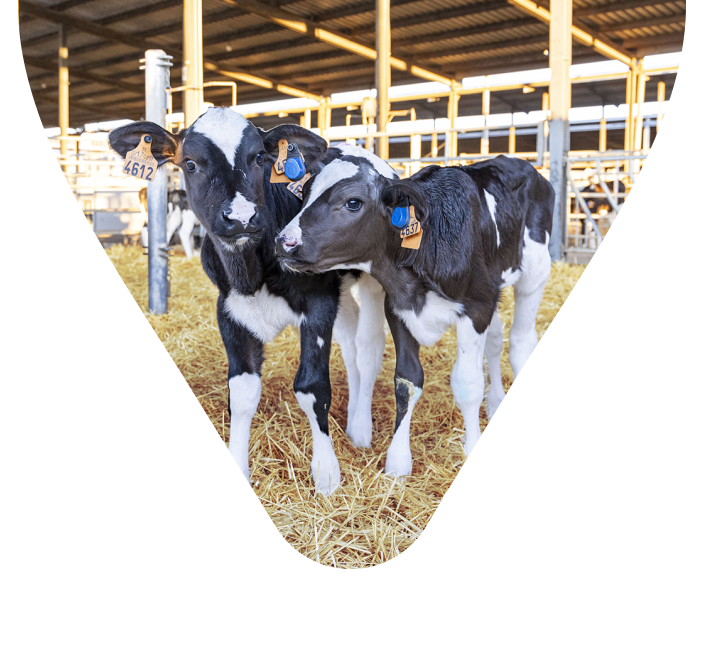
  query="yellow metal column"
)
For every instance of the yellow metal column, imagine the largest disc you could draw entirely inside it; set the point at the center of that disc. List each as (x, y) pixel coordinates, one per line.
(451, 144)
(513, 140)
(63, 93)
(661, 102)
(383, 73)
(192, 73)
(485, 141)
(639, 101)
(630, 88)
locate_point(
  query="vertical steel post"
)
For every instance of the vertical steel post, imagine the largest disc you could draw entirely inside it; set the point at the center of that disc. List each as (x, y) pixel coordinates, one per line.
(512, 144)
(451, 142)
(192, 72)
(306, 118)
(434, 145)
(543, 131)
(157, 80)
(603, 136)
(630, 88)
(485, 141)
(560, 103)
(63, 94)
(639, 100)
(383, 73)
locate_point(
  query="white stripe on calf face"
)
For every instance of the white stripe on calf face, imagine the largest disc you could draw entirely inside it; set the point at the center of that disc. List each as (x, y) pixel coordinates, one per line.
(353, 150)
(224, 128)
(332, 173)
(242, 209)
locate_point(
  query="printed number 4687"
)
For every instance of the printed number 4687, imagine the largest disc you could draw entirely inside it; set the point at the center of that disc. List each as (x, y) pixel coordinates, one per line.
(137, 170)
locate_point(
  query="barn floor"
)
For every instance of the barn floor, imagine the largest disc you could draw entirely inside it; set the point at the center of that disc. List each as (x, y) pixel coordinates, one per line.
(372, 517)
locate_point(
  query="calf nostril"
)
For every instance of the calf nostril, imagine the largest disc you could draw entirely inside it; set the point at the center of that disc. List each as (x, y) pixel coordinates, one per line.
(226, 213)
(287, 242)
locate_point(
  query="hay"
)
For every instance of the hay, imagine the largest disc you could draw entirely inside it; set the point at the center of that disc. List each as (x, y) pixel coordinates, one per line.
(372, 517)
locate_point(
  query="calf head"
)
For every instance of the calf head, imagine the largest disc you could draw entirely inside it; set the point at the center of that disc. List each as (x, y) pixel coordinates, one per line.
(345, 222)
(224, 158)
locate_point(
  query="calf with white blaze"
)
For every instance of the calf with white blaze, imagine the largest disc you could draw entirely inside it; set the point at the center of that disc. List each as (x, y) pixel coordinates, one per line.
(227, 165)
(485, 226)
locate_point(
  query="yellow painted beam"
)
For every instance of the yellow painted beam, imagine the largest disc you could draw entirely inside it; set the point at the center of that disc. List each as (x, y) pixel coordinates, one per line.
(583, 35)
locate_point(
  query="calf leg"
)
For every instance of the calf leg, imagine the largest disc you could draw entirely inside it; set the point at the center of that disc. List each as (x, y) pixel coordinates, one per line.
(536, 267)
(174, 218)
(345, 331)
(245, 354)
(493, 349)
(468, 380)
(312, 390)
(371, 338)
(408, 386)
(189, 219)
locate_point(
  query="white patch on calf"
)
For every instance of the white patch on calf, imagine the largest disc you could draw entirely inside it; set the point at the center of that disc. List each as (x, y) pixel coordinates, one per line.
(491, 203)
(224, 128)
(263, 314)
(399, 460)
(292, 232)
(320, 341)
(334, 172)
(325, 468)
(430, 324)
(509, 277)
(353, 150)
(244, 396)
(359, 266)
(241, 209)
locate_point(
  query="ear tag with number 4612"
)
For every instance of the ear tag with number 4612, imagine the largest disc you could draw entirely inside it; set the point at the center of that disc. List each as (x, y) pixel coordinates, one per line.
(140, 162)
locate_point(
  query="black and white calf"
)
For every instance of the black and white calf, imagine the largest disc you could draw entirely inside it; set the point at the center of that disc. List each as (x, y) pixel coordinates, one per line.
(485, 226)
(227, 165)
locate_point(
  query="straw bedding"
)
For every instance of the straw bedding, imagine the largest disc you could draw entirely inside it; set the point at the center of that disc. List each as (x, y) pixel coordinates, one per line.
(372, 517)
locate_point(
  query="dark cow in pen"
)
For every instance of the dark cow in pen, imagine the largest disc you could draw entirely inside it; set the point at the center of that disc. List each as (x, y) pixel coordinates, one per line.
(485, 226)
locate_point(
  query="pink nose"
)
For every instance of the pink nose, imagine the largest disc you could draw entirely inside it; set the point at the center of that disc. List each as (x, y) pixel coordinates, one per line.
(289, 242)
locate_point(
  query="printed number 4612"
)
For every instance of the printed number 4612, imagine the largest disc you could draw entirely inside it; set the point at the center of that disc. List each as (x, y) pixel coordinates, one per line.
(135, 169)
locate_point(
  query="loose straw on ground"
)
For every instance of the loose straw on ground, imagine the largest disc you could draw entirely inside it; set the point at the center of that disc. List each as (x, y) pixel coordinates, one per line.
(372, 517)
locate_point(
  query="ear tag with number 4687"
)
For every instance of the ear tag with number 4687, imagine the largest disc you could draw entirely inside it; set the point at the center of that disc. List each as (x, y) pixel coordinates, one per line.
(140, 162)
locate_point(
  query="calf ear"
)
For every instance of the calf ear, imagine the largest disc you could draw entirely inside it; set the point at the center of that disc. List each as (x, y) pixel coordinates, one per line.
(402, 193)
(163, 147)
(312, 146)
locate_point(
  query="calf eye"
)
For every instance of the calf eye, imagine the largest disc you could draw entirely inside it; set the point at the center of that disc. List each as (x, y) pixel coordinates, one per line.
(190, 165)
(259, 159)
(353, 204)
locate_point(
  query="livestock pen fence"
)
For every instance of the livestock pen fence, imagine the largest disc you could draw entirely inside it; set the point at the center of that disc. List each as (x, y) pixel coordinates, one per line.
(109, 198)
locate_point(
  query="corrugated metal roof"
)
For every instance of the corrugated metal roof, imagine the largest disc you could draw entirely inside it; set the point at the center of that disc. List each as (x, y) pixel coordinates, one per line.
(453, 37)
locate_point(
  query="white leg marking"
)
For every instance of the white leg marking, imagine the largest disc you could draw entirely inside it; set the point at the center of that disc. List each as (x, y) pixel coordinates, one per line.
(371, 337)
(320, 341)
(244, 396)
(174, 219)
(189, 220)
(399, 461)
(467, 379)
(536, 266)
(345, 332)
(491, 203)
(325, 468)
(493, 349)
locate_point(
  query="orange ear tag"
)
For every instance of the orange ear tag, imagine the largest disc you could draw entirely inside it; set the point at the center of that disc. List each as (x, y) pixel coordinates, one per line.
(278, 170)
(411, 235)
(140, 162)
(296, 187)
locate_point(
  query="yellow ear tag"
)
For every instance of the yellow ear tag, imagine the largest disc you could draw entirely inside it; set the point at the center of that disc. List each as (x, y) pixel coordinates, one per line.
(278, 169)
(297, 186)
(140, 162)
(411, 235)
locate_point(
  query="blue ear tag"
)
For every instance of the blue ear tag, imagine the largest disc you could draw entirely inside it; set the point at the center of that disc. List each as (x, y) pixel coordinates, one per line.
(294, 168)
(400, 217)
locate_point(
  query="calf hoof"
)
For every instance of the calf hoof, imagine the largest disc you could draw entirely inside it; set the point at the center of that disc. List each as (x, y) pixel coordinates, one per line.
(399, 462)
(471, 439)
(326, 479)
(360, 433)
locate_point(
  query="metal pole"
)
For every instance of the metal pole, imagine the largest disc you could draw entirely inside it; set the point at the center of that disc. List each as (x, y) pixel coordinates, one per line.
(192, 73)
(451, 142)
(157, 80)
(560, 103)
(512, 140)
(63, 94)
(383, 74)
(603, 136)
(485, 141)
(639, 100)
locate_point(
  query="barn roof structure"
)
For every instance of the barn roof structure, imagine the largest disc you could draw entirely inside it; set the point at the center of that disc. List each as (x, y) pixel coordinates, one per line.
(452, 38)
